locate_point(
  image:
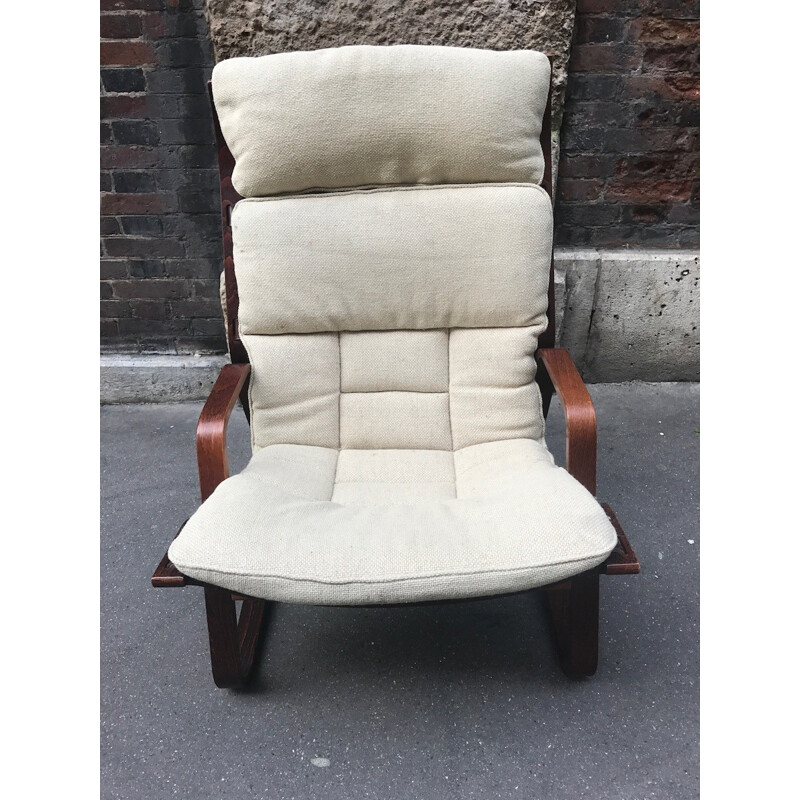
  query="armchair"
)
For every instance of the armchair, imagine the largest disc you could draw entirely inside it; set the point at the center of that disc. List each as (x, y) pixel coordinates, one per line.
(388, 288)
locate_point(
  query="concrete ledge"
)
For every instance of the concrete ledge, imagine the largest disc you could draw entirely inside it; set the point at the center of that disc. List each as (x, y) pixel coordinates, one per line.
(624, 315)
(630, 315)
(157, 378)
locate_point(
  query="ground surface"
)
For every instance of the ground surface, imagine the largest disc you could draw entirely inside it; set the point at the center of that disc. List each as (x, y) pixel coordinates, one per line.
(453, 701)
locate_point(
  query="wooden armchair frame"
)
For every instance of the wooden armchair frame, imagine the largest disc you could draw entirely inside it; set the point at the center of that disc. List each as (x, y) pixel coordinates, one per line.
(573, 604)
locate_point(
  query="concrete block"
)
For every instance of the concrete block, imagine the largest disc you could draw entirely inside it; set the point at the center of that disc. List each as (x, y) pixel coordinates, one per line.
(157, 378)
(645, 321)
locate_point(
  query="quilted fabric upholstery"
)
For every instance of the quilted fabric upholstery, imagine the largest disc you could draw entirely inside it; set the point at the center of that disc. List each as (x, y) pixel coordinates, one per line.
(319, 525)
(397, 429)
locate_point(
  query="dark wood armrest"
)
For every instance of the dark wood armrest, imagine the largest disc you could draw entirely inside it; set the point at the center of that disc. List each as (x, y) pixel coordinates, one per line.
(212, 455)
(579, 412)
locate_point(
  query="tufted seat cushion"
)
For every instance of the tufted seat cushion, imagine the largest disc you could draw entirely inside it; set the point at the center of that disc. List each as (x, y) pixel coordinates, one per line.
(318, 525)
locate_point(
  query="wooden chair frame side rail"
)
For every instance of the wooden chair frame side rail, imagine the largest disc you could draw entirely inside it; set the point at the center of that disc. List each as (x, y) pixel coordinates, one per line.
(573, 604)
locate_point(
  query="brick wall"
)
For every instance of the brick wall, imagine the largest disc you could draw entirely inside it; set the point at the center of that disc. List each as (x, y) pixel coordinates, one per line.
(630, 161)
(629, 169)
(160, 230)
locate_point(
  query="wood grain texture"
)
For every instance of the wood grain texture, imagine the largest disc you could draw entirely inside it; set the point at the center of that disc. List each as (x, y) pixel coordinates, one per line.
(623, 560)
(575, 615)
(233, 644)
(212, 427)
(579, 413)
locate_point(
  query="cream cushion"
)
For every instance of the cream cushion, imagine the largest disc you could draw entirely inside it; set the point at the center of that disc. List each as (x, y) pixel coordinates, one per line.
(423, 257)
(397, 427)
(363, 116)
(319, 525)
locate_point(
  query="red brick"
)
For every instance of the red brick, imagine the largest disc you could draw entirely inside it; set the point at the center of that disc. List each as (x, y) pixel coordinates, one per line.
(154, 25)
(127, 54)
(602, 58)
(120, 26)
(676, 87)
(129, 156)
(655, 30)
(683, 59)
(136, 203)
(648, 190)
(123, 107)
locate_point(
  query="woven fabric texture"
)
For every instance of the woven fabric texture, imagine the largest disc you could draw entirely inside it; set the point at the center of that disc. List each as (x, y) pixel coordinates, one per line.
(363, 116)
(319, 525)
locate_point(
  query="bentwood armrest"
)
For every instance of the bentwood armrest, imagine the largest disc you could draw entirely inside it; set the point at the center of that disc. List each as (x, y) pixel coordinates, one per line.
(212, 455)
(579, 413)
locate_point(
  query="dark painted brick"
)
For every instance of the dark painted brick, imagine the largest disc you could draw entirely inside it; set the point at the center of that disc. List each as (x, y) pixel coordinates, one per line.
(142, 132)
(205, 288)
(144, 248)
(587, 214)
(138, 226)
(112, 269)
(583, 139)
(105, 133)
(684, 214)
(143, 309)
(579, 189)
(594, 29)
(123, 80)
(105, 182)
(198, 247)
(197, 202)
(593, 87)
(187, 131)
(120, 26)
(208, 268)
(108, 328)
(182, 53)
(155, 289)
(106, 292)
(199, 344)
(109, 226)
(199, 156)
(134, 182)
(115, 309)
(198, 307)
(154, 326)
(146, 268)
(192, 80)
(586, 166)
(131, 5)
(208, 327)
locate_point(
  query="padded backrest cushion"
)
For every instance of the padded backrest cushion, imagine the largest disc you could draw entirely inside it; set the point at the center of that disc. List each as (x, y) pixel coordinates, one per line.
(398, 305)
(365, 116)
(411, 258)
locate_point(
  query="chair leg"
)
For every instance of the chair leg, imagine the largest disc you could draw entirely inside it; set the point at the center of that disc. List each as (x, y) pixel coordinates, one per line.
(575, 613)
(233, 645)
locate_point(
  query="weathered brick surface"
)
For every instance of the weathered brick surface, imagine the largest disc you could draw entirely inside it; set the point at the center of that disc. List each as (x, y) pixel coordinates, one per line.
(629, 169)
(629, 166)
(160, 232)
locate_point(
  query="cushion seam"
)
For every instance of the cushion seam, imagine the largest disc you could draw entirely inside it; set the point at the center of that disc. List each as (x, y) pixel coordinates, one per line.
(504, 570)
